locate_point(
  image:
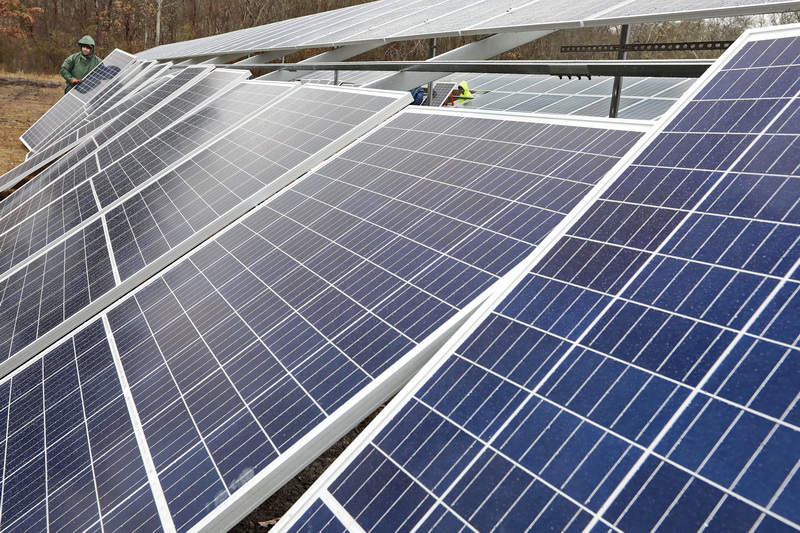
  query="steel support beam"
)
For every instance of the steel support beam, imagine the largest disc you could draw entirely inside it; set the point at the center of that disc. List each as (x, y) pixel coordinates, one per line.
(484, 49)
(616, 91)
(687, 68)
(338, 54)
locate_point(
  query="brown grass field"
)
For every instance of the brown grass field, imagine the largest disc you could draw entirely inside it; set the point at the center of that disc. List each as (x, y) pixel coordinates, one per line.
(23, 102)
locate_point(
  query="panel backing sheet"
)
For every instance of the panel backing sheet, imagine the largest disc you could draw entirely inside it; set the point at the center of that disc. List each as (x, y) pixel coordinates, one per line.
(243, 360)
(643, 375)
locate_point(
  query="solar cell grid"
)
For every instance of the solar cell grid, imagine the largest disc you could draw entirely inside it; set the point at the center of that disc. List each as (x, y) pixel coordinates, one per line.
(277, 143)
(127, 81)
(630, 381)
(642, 98)
(440, 93)
(39, 297)
(399, 17)
(69, 437)
(78, 169)
(62, 111)
(36, 161)
(180, 139)
(75, 168)
(152, 145)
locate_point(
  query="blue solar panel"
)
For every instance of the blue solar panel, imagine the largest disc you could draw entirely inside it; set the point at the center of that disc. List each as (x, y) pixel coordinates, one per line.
(643, 374)
(264, 333)
(131, 164)
(54, 287)
(71, 460)
(234, 356)
(76, 167)
(272, 148)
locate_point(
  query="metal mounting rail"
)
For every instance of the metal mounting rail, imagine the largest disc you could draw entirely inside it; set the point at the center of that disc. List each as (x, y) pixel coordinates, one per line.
(687, 68)
(649, 47)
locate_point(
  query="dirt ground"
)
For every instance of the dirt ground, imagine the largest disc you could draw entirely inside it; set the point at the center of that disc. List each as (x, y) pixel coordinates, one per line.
(23, 102)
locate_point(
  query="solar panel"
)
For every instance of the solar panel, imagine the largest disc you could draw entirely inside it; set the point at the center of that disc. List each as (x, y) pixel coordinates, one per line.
(71, 460)
(121, 158)
(95, 107)
(440, 92)
(185, 205)
(232, 358)
(73, 102)
(39, 159)
(642, 98)
(642, 375)
(393, 20)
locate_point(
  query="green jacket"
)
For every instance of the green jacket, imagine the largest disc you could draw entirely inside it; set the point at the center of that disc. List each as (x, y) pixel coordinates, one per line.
(78, 66)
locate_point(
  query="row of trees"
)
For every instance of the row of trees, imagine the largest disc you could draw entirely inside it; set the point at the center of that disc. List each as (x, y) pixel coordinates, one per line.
(38, 34)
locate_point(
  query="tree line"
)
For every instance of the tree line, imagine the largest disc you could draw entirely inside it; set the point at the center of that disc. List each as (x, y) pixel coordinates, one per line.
(36, 35)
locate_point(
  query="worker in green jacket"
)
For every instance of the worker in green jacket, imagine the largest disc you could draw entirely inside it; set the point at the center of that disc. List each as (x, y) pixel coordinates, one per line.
(77, 66)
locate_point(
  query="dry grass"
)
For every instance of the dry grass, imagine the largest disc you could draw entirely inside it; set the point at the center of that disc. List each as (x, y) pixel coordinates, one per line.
(23, 104)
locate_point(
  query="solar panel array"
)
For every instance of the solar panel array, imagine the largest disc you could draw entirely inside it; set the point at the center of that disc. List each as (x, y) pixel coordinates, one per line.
(641, 98)
(394, 20)
(74, 105)
(642, 373)
(97, 118)
(244, 360)
(221, 277)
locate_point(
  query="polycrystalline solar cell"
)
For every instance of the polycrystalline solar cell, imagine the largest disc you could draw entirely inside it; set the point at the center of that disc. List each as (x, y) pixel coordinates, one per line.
(642, 376)
(263, 333)
(62, 111)
(74, 169)
(399, 20)
(644, 109)
(347, 21)
(320, 518)
(143, 73)
(452, 14)
(409, 14)
(85, 145)
(655, 8)
(52, 288)
(165, 116)
(45, 156)
(289, 135)
(642, 98)
(148, 101)
(46, 225)
(71, 460)
(156, 76)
